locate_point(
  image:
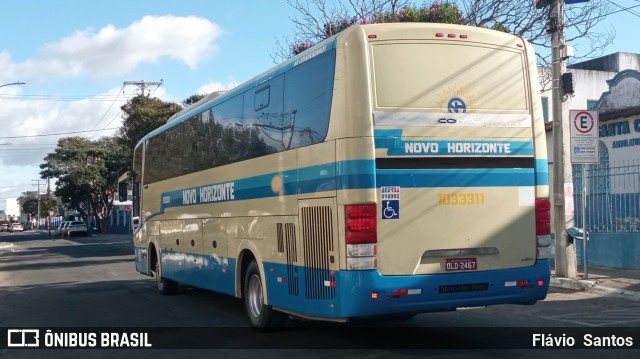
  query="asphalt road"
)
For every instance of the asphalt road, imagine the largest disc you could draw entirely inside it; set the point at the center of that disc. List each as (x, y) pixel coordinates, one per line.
(90, 282)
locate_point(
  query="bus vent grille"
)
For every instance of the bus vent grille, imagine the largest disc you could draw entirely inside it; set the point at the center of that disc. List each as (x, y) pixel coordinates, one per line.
(317, 235)
(280, 236)
(286, 235)
(292, 257)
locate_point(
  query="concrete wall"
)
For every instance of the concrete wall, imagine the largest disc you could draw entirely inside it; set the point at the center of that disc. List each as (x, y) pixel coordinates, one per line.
(619, 250)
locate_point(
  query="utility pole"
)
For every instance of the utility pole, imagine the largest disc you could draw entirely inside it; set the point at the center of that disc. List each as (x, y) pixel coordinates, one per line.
(142, 85)
(49, 209)
(38, 215)
(565, 261)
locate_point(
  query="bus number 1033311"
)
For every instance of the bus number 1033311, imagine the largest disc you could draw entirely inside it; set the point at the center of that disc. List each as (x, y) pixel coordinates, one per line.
(461, 199)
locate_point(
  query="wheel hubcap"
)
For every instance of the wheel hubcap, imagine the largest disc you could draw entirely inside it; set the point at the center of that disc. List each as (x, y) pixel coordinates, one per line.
(255, 296)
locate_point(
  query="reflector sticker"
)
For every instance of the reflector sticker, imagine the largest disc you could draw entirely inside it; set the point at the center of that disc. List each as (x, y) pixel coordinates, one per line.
(526, 196)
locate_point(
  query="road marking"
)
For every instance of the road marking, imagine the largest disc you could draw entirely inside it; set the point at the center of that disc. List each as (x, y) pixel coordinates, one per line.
(600, 319)
(97, 244)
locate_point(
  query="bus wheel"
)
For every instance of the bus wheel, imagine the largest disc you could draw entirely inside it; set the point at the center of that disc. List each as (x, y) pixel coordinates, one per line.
(164, 285)
(263, 317)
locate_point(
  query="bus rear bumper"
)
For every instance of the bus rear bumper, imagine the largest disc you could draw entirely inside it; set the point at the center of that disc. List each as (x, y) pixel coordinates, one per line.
(368, 293)
(424, 293)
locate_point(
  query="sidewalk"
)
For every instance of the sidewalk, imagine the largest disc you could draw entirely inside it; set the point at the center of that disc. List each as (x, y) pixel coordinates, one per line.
(621, 283)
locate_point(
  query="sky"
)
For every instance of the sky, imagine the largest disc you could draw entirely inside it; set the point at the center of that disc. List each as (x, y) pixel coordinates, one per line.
(75, 55)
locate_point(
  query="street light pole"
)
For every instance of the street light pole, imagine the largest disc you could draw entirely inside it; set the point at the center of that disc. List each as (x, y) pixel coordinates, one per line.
(14, 83)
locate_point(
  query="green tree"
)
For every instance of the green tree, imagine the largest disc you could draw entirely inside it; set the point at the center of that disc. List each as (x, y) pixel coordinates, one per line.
(29, 203)
(87, 173)
(192, 99)
(316, 20)
(142, 115)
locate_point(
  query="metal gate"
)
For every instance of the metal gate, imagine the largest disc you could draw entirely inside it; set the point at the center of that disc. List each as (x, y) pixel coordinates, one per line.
(613, 196)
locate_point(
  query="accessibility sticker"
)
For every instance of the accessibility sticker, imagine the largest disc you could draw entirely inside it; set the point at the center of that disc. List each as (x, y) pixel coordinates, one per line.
(390, 199)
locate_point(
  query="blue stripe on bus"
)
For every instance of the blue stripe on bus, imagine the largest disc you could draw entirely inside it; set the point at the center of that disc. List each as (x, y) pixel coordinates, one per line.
(542, 172)
(386, 138)
(362, 174)
(352, 294)
(391, 140)
(141, 260)
(202, 271)
(493, 177)
(356, 174)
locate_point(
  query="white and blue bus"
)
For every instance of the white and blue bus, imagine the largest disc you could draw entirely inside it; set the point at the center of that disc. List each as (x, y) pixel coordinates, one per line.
(391, 169)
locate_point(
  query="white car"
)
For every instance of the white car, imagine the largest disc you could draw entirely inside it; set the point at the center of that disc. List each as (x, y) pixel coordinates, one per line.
(76, 228)
(16, 227)
(61, 228)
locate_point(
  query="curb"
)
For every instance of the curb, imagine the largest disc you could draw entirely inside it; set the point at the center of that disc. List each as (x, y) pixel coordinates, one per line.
(575, 284)
(591, 286)
(618, 293)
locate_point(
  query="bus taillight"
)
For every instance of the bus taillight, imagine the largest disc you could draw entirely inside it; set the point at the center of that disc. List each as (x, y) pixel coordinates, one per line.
(543, 216)
(360, 223)
(361, 236)
(543, 228)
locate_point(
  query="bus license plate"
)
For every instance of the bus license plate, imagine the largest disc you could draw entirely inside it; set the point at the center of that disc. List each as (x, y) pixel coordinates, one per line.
(456, 264)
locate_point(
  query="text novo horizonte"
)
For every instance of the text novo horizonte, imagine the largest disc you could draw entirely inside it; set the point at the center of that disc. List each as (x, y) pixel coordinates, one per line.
(458, 147)
(211, 193)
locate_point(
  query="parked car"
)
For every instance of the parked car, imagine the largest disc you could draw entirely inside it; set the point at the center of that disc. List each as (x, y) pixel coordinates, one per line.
(76, 228)
(61, 228)
(4, 227)
(16, 227)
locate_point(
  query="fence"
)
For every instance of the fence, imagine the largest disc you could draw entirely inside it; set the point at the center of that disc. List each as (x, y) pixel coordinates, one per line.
(613, 196)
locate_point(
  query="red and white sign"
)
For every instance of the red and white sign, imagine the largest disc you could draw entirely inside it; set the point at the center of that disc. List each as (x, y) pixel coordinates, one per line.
(584, 136)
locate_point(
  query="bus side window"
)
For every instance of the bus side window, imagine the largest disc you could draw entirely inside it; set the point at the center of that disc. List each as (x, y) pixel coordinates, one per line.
(308, 94)
(262, 115)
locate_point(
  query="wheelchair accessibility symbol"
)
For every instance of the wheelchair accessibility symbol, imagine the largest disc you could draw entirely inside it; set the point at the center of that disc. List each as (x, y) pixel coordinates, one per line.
(391, 210)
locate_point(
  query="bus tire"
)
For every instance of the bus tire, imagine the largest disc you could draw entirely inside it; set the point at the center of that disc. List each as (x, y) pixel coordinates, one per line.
(262, 317)
(164, 285)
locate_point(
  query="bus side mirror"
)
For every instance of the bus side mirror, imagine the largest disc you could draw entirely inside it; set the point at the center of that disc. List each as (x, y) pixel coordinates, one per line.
(122, 191)
(136, 223)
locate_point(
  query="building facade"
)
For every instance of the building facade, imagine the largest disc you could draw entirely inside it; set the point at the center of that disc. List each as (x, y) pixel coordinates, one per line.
(611, 85)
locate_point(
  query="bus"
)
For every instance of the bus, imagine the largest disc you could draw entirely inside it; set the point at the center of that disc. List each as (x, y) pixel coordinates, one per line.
(392, 169)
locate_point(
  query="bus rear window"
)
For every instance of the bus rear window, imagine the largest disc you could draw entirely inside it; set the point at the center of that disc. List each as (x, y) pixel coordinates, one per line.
(427, 76)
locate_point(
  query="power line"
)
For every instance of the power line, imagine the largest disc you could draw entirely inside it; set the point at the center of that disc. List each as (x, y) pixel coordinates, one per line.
(624, 9)
(25, 149)
(60, 133)
(18, 185)
(57, 98)
(109, 109)
(615, 12)
(113, 119)
(27, 144)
